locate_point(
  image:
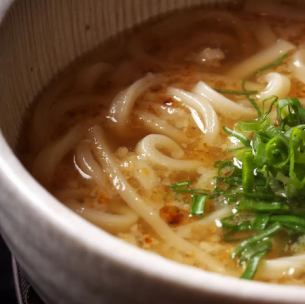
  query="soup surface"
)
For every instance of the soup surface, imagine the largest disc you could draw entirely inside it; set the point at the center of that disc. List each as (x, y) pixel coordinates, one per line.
(186, 137)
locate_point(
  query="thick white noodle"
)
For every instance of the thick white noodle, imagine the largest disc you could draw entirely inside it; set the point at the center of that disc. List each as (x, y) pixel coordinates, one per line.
(87, 78)
(263, 33)
(292, 266)
(213, 248)
(140, 169)
(157, 125)
(86, 162)
(277, 85)
(206, 179)
(176, 116)
(143, 207)
(231, 82)
(47, 160)
(148, 148)
(123, 103)
(119, 221)
(266, 56)
(186, 231)
(210, 125)
(145, 174)
(222, 104)
(298, 65)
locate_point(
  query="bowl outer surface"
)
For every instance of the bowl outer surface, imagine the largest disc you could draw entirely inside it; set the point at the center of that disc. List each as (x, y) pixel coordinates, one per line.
(67, 259)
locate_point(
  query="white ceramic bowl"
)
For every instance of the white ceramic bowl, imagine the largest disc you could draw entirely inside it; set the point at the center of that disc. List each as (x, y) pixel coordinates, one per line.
(67, 259)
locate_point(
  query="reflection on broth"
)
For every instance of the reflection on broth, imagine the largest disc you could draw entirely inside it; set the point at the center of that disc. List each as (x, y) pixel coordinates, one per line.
(186, 138)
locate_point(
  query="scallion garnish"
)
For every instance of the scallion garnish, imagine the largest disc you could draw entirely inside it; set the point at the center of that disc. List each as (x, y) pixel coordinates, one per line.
(250, 98)
(243, 139)
(185, 187)
(181, 186)
(277, 62)
(198, 204)
(264, 182)
(254, 260)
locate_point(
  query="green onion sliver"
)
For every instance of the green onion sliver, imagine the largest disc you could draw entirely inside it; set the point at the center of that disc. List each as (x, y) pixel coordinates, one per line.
(264, 234)
(252, 266)
(198, 205)
(242, 138)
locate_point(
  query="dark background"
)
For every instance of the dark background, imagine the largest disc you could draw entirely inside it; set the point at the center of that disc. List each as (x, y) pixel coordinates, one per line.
(7, 293)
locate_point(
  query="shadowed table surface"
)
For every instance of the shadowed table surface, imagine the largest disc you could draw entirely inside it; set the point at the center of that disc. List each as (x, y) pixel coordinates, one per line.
(7, 292)
(14, 288)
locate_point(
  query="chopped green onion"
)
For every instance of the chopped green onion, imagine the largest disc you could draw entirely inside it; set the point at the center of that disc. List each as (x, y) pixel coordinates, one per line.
(277, 152)
(264, 234)
(290, 112)
(259, 206)
(277, 62)
(263, 182)
(184, 187)
(248, 172)
(229, 224)
(179, 185)
(255, 248)
(259, 150)
(253, 265)
(272, 100)
(252, 126)
(198, 205)
(243, 139)
(250, 98)
(261, 221)
(254, 105)
(288, 219)
(258, 195)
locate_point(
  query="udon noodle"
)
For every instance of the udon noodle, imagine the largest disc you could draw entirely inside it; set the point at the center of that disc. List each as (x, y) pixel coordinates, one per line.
(111, 135)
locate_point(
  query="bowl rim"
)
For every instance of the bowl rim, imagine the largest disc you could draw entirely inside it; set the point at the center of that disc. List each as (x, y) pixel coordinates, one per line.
(27, 191)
